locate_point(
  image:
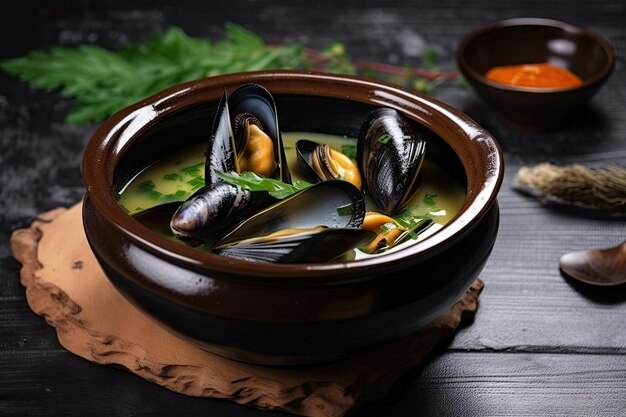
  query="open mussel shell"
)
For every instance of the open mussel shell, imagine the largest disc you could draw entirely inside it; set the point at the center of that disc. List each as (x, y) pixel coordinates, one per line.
(390, 152)
(331, 204)
(309, 245)
(320, 162)
(219, 206)
(254, 101)
(304, 154)
(250, 101)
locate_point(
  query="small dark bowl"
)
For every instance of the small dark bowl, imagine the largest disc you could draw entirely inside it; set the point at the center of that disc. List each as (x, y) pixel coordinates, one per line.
(296, 313)
(530, 40)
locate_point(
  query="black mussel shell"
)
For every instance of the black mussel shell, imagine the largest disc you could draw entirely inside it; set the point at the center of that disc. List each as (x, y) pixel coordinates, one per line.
(248, 101)
(220, 153)
(218, 206)
(214, 209)
(314, 245)
(332, 204)
(390, 152)
(253, 100)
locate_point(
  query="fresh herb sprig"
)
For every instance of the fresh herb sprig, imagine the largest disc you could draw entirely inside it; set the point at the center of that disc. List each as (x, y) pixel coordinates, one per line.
(103, 81)
(253, 182)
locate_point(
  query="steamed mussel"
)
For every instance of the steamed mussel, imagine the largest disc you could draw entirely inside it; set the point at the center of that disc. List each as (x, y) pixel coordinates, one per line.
(245, 133)
(320, 162)
(315, 225)
(390, 152)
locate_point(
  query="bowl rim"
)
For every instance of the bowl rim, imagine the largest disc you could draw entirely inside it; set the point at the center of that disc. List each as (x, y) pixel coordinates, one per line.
(119, 131)
(468, 69)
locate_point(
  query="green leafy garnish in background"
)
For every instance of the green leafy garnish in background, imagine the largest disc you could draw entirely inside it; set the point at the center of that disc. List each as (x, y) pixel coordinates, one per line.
(103, 81)
(253, 182)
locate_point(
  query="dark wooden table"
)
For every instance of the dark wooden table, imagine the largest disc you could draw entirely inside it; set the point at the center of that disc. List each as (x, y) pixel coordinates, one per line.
(540, 344)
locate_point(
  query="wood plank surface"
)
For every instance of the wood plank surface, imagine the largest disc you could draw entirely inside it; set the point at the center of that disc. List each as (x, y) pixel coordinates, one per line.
(508, 384)
(540, 344)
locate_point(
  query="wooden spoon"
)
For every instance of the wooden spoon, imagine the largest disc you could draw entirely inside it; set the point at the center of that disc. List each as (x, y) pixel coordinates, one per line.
(597, 266)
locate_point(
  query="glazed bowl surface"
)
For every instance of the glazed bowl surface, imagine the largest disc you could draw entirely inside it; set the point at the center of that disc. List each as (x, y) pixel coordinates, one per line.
(529, 41)
(288, 313)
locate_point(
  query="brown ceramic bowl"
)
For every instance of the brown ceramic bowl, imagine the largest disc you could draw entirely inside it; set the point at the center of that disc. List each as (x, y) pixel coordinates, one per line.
(531, 40)
(290, 313)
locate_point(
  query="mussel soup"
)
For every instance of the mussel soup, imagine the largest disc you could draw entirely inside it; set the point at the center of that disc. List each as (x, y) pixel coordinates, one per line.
(176, 177)
(257, 194)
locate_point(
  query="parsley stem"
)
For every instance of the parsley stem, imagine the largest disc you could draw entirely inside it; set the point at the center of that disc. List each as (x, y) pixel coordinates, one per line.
(428, 74)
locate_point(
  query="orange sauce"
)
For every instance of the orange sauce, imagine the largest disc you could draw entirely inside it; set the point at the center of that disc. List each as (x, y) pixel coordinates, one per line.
(534, 75)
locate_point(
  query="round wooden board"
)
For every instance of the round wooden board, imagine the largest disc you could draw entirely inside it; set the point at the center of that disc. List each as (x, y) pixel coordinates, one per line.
(65, 285)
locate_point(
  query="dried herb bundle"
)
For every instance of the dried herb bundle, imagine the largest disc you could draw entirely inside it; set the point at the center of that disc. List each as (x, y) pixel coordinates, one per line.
(594, 188)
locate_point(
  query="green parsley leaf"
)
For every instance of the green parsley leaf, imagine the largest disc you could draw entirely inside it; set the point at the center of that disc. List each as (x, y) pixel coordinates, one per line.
(384, 138)
(146, 186)
(193, 170)
(407, 219)
(196, 182)
(349, 151)
(155, 195)
(103, 81)
(430, 56)
(346, 210)
(253, 182)
(174, 176)
(429, 199)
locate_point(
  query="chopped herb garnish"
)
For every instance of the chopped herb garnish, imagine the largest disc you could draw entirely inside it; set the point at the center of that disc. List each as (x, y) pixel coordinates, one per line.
(196, 182)
(419, 227)
(385, 138)
(339, 178)
(429, 199)
(193, 170)
(146, 186)
(349, 151)
(430, 56)
(253, 182)
(155, 195)
(180, 193)
(171, 57)
(138, 208)
(345, 210)
(174, 176)
(407, 219)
